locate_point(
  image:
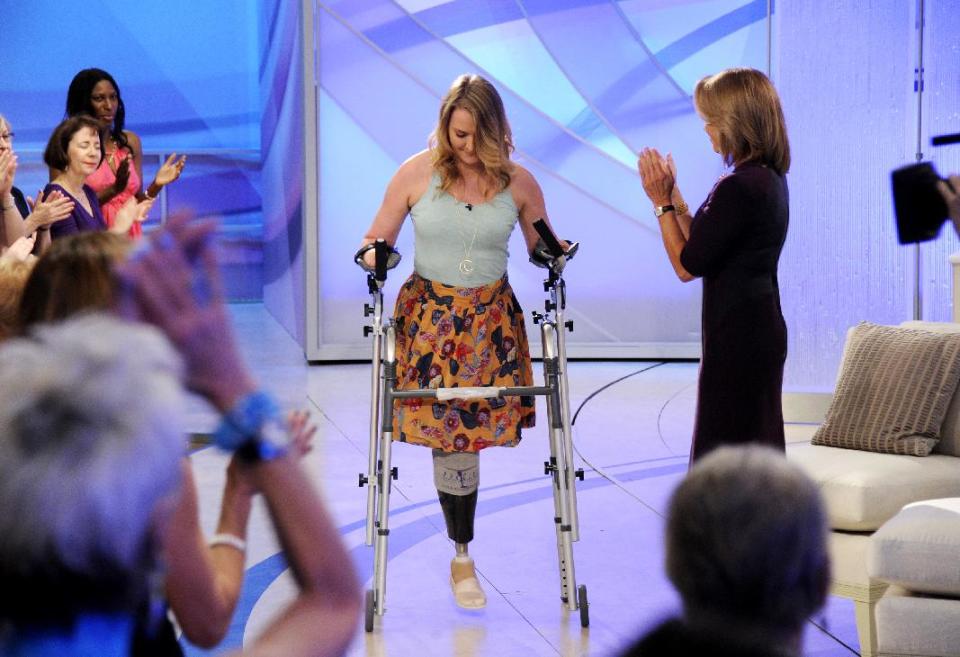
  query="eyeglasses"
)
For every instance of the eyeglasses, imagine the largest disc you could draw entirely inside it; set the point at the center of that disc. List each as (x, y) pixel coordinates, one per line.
(6, 136)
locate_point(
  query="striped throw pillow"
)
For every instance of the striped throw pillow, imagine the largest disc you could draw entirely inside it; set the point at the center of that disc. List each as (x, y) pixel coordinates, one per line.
(894, 387)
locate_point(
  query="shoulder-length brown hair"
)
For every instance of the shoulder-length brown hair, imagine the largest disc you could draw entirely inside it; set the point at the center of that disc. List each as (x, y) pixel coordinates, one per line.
(493, 140)
(75, 274)
(743, 106)
(56, 154)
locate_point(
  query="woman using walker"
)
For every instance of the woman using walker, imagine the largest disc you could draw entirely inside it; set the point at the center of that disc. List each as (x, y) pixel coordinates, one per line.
(458, 323)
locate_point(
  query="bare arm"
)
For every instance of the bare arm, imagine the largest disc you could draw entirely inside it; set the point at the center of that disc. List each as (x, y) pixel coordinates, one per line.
(203, 582)
(322, 620)
(12, 225)
(531, 205)
(136, 149)
(406, 187)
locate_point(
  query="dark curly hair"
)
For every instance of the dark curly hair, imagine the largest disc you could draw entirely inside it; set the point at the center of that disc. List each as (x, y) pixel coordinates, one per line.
(78, 100)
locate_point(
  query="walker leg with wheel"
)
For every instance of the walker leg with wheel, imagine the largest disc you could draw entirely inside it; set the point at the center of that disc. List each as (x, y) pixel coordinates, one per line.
(386, 473)
(380, 473)
(560, 466)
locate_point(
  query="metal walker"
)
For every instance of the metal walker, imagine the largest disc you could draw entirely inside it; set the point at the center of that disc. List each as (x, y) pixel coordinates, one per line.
(383, 393)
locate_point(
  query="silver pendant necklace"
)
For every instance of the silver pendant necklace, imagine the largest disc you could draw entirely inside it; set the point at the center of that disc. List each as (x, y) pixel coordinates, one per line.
(466, 264)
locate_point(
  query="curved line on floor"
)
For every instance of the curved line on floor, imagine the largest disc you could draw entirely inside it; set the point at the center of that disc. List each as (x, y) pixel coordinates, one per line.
(260, 576)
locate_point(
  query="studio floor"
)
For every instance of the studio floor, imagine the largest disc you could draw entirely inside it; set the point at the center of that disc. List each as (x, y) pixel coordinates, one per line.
(632, 439)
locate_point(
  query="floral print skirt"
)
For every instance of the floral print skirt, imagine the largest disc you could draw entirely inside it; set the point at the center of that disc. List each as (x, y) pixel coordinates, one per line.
(461, 337)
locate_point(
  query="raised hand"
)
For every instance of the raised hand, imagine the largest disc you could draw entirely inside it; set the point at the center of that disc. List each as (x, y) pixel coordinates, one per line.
(123, 176)
(656, 175)
(130, 212)
(49, 210)
(174, 284)
(21, 248)
(301, 431)
(170, 170)
(8, 169)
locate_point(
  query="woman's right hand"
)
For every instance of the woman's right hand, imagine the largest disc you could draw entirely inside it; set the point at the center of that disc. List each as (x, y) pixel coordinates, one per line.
(8, 169)
(130, 212)
(302, 432)
(48, 210)
(21, 248)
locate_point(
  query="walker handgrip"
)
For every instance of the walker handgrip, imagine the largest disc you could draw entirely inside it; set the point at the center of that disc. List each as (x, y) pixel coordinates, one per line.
(549, 239)
(380, 254)
(446, 394)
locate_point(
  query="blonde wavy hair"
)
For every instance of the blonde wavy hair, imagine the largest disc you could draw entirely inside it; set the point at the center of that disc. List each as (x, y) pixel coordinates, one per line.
(744, 107)
(493, 140)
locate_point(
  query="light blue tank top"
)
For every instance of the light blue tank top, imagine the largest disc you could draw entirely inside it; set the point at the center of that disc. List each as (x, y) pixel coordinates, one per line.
(459, 245)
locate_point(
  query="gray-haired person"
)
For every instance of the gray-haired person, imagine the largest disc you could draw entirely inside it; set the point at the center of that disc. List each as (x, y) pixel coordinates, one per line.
(90, 467)
(747, 551)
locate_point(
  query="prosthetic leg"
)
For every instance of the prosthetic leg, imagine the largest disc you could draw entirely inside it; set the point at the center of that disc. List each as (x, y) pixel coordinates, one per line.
(559, 466)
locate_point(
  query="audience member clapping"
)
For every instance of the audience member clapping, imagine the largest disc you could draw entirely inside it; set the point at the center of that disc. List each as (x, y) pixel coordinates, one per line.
(16, 262)
(91, 455)
(73, 153)
(747, 551)
(119, 177)
(18, 220)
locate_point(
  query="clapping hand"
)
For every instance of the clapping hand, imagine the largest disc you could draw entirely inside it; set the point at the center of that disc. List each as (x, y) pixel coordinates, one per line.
(130, 212)
(173, 283)
(21, 248)
(8, 169)
(170, 170)
(122, 176)
(48, 210)
(301, 431)
(658, 175)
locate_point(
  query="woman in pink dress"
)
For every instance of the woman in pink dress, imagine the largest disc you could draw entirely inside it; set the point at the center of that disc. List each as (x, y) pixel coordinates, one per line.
(120, 175)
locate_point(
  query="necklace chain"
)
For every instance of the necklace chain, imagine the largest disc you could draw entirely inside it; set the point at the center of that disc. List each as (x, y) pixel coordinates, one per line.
(466, 264)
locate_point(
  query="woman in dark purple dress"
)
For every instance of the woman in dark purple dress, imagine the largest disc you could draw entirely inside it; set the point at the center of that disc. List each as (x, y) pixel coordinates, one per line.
(733, 243)
(74, 152)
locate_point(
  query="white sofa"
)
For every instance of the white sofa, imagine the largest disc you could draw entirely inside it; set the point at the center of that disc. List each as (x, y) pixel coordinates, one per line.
(917, 552)
(863, 490)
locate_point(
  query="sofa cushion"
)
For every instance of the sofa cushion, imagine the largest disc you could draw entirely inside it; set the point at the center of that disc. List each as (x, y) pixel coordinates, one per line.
(894, 388)
(919, 548)
(916, 625)
(862, 490)
(950, 429)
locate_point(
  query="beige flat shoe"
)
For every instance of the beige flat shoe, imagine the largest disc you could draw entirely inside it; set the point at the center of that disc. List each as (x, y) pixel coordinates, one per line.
(467, 593)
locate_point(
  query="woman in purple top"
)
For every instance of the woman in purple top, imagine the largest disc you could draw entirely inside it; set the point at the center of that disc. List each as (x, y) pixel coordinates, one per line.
(733, 242)
(74, 150)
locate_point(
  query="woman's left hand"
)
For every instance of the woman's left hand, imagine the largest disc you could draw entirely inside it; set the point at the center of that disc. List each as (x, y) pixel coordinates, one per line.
(170, 170)
(656, 175)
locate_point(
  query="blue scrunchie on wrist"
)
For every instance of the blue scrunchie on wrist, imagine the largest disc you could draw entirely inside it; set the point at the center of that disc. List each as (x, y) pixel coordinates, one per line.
(243, 424)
